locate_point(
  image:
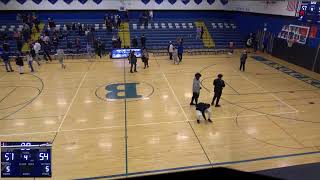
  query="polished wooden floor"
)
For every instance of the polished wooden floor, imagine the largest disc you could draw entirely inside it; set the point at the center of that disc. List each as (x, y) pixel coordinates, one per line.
(263, 113)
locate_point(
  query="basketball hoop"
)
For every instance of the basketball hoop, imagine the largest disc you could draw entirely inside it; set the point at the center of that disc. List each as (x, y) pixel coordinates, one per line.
(290, 42)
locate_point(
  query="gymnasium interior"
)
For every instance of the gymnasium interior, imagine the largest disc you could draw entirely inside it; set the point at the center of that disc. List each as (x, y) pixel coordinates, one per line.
(71, 106)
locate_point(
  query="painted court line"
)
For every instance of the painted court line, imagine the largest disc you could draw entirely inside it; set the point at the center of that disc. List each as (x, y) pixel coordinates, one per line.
(21, 134)
(201, 166)
(185, 115)
(3, 76)
(74, 97)
(272, 94)
(143, 124)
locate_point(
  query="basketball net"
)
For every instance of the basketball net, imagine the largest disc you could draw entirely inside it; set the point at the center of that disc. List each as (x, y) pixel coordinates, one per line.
(290, 42)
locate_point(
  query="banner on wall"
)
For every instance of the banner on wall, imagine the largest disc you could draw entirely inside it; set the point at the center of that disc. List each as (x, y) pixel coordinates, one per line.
(198, 1)
(158, 1)
(145, 1)
(37, 1)
(210, 1)
(5, 1)
(224, 2)
(185, 2)
(83, 1)
(172, 1)
(97, 1)
(21, 1)
(53, 1)
(68, 1)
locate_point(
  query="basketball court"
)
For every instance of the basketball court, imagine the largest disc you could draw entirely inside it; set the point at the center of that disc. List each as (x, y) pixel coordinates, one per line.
(267, 118)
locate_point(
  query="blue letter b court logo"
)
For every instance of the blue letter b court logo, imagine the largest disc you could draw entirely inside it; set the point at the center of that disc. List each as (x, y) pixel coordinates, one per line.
(130, 91)
(122, 91)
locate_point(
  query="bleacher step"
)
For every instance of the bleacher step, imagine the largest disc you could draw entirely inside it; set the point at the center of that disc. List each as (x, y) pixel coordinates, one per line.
(124, 34)
(207, 39)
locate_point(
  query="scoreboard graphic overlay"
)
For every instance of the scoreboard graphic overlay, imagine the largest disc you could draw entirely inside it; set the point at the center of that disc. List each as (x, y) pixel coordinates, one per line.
(25, 159)
(309, 11)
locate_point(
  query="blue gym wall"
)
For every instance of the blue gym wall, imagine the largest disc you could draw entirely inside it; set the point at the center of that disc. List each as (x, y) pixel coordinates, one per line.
(251, 22)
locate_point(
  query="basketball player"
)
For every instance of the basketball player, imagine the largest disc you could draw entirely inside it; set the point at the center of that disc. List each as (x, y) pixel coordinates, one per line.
(133, 62)
(218, 86)
(243, 59)
(170, 50)
(30, 60)
(19, 62)
(60, 57)
(145, 58)
(201, 110)
(195, 88)
(37, 48)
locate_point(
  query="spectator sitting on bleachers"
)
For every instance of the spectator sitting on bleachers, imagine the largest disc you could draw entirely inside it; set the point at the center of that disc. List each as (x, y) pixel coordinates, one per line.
(18, 17)
(198, 32)
(5, 46)
(135, 42)
(65, 33)
(55, 41)
(77, 44)
(106, 16)
(92, 29)
(119, 22)
(150, 15)
(112, 20)
(114, 42)
(119, 42)
(19, 45)
(68, 26)
(126, 15)
(51, 24)
(80, 29)
(90, 37)
(30, 21)
(26, 31)
(115, 21)
(24, 18)
(145, 18)
(36, 22)
(16, 35)
(60, 35)
(73, 26)
(69, 44)
(3, 35)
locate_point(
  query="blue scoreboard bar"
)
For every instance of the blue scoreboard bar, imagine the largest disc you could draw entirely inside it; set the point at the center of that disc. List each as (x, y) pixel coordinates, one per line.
(25, 159)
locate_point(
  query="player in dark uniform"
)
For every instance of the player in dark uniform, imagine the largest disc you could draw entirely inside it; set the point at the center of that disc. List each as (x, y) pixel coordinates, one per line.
(201, 109)
(133, 62)
(218, 86)
(243, 59)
